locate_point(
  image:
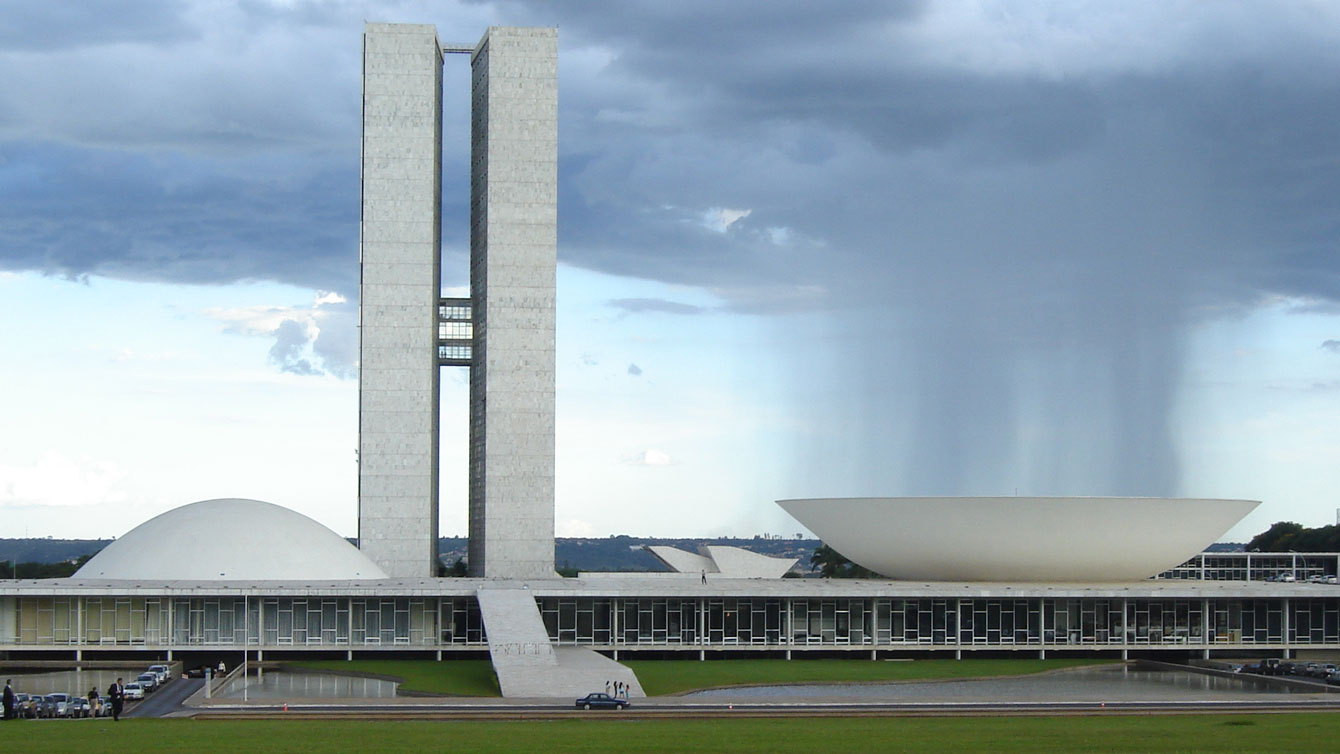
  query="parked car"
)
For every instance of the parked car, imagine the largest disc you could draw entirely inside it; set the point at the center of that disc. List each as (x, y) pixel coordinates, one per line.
(1333, 679)
(601, 700)
(78, 707)
(56, 704)
(149, 681)
(25, 705)
(1287, 578)
(134, 690)
(1331, 579)
(163, 672)
(1270, 666)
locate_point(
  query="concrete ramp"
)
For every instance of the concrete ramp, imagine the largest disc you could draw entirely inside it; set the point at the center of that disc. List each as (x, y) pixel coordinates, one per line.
(527, 665)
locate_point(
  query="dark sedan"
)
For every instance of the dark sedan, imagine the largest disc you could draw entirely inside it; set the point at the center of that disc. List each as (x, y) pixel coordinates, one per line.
(601, 701)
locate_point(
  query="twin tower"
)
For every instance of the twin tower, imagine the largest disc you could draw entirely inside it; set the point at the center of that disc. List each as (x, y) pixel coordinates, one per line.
(504, 333)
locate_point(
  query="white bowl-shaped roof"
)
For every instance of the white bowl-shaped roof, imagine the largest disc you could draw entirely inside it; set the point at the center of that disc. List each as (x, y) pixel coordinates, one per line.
(231, 539)
(1018, 538)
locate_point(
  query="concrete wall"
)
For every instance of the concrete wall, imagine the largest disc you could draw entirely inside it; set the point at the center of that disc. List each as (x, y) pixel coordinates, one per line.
(399, 290)
(513, 240)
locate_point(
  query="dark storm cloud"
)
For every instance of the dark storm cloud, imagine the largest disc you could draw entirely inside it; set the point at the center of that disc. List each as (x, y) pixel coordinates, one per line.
(61, 24)
(1007, 217)
(1010, 253)
(641, 305)
(78, 212)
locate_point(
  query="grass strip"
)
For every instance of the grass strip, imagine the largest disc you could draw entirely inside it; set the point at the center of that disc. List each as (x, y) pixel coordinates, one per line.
(1181, 734)
(660, 677)
(447, 678)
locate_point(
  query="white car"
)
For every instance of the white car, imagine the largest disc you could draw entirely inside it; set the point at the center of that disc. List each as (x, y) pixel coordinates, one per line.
(162, 672)
(134, 691)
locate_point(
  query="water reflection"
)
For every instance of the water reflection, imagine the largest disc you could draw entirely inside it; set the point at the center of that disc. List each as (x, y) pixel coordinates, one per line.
(76, 682)
(1087, 685)
(275, 684)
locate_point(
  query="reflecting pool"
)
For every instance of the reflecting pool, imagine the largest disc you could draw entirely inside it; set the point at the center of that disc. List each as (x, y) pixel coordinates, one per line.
(1103, 684)
(275, 684)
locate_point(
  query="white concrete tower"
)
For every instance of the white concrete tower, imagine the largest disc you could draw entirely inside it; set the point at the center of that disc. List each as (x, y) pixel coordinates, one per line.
(400, 286)
(513, 241)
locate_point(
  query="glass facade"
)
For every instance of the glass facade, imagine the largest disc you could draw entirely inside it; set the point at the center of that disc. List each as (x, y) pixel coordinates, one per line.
(242, 622)
(1256, 566)
(677, 622)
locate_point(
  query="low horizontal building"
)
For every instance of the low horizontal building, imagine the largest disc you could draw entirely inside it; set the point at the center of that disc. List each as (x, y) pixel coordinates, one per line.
(89, 618)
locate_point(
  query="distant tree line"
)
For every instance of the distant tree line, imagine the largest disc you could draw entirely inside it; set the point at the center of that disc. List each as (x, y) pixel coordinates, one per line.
(1287, 536)
(63, 569)
(832, 565)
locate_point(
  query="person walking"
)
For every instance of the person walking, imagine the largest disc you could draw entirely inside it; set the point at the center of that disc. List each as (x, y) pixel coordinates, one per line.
(116, 694)
(94, 703)
(9, 701)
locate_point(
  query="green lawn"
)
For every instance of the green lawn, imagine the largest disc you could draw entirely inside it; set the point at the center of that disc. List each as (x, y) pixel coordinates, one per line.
(1304, 733)
(450, 678)
(660, 677)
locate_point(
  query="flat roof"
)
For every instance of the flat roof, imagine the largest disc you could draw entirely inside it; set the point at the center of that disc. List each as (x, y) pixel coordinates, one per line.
(688, 587)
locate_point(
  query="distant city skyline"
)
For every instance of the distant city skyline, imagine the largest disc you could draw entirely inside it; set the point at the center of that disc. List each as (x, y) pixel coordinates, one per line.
(989, 249)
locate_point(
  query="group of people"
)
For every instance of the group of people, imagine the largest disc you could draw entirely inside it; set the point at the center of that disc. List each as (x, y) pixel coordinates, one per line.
(116, 695)
(617, 689)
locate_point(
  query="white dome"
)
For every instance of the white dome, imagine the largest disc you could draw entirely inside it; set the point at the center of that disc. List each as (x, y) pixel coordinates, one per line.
(230, 540)
(1018, 538)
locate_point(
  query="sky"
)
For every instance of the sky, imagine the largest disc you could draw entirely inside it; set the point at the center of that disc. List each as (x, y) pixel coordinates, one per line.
(805, 250)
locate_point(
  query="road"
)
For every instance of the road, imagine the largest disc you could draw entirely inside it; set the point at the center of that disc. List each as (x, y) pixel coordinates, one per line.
(167, 699)
(662, 711)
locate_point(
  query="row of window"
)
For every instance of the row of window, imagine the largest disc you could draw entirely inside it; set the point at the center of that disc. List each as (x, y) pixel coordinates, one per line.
(431, 621)
(991, 622)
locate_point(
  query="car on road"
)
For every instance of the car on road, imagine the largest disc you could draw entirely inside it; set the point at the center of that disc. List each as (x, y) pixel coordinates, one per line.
(133, 690)
(149, 681)
(600, 700)
(163, 672)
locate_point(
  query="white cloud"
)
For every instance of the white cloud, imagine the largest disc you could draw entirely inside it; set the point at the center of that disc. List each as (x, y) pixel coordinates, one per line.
(720, 219)
(55, 480)
(299, 347)
(573, 527)
(779, 235)
(652, 457)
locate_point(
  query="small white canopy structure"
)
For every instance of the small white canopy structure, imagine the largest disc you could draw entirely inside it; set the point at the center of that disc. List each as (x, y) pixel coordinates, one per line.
(231, 539)
(1055, 539)
(730, 562)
